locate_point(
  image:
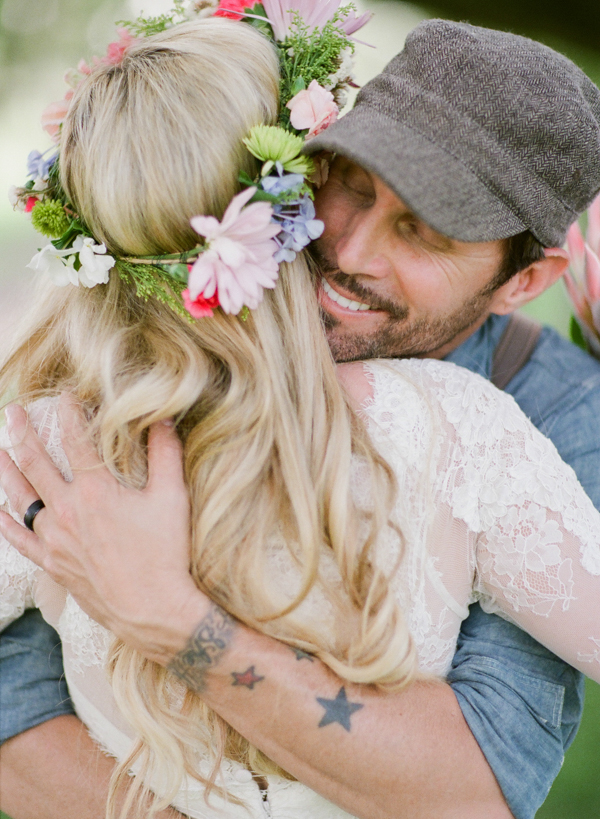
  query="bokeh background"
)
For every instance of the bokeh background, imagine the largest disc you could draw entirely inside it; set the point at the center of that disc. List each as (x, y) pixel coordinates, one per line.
(41, 39)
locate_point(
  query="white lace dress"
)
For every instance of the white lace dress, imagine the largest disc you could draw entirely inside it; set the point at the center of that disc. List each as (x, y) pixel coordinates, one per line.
(489, 513)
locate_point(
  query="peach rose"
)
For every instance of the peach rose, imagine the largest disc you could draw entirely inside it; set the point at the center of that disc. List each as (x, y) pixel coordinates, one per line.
(314, 108)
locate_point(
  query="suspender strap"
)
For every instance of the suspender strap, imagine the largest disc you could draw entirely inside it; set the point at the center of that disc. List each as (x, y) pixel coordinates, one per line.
(514, 349)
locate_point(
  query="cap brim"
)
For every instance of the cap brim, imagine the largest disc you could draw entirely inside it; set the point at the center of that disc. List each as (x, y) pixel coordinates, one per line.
(436, 186)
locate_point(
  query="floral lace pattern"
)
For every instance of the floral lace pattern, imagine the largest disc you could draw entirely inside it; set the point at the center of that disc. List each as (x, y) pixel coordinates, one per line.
(88, 642)
(495, 488)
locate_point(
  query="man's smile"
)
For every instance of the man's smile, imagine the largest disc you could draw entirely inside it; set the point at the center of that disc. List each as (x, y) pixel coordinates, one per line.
(342, 301)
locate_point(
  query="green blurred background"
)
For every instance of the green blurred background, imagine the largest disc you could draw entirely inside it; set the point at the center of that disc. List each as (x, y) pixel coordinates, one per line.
(41, 39)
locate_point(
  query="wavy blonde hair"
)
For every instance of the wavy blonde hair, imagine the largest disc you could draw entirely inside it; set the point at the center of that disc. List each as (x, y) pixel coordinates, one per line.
(268, 433)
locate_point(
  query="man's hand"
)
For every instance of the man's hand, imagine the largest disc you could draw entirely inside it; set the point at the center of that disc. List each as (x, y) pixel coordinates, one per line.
(122, 553)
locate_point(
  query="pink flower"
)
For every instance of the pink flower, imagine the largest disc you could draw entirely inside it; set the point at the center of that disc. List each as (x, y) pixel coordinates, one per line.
(315, 13)
(238, 261)
(117, 50)
(83, 67)
(233, 9)
(31, 203)
(314, 108)
(583, 278)
(200, 307)
(54, 114)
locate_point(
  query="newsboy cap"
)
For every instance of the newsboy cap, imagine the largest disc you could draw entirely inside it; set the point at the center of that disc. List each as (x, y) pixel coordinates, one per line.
(483, 134)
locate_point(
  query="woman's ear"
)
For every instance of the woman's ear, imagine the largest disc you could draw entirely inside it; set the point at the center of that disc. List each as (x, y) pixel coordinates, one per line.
(531, 282)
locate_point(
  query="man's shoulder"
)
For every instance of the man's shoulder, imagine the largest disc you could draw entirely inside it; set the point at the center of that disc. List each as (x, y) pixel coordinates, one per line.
(559, 379)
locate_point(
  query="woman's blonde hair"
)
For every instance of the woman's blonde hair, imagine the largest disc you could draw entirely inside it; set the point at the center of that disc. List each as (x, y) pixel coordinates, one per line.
(269, 437)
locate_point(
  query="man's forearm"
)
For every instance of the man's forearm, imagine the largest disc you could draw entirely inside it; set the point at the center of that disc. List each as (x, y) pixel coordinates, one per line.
(376, 754)
(56, 771)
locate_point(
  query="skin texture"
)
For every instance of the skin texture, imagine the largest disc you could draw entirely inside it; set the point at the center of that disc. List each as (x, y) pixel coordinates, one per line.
(38, 783)
(407, 754)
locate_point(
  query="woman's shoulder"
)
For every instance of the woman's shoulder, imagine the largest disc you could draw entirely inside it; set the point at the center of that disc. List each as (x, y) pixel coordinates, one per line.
(467, 401)
(44, 417)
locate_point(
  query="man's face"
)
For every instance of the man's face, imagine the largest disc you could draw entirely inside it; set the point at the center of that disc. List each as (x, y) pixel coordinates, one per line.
(392, 286)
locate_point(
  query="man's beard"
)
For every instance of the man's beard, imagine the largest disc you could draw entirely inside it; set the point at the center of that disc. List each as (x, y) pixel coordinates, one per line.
(399, 337)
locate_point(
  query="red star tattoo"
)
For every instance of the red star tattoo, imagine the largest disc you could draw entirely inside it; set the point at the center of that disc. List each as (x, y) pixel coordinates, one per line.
(249, 678)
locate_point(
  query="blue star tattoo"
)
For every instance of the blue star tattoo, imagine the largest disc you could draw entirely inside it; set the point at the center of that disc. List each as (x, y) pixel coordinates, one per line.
(338, 710)
(302, 655)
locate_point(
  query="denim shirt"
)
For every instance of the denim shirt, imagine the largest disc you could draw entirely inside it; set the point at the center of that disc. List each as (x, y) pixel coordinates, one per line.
(521, 702)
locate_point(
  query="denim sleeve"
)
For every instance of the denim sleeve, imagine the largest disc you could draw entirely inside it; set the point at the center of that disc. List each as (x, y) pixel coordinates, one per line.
(32, 685)
(522, 703)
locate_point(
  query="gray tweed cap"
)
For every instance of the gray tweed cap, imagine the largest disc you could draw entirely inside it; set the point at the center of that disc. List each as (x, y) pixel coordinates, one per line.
(483, 134)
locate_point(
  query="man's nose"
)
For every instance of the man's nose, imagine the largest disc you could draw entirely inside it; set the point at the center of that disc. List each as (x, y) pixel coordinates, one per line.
(363, 247)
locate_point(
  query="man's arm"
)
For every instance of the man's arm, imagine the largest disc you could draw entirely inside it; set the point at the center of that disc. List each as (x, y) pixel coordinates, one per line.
(55, 771)
(407, 754)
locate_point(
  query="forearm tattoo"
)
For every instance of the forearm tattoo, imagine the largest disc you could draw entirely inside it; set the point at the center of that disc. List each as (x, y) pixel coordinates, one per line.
(248, 678)
(204, 649)
(338, 710)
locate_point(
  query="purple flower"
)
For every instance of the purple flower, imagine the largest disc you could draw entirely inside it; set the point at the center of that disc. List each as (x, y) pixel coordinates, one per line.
(298, 227)
(276, 185)
(38, 166)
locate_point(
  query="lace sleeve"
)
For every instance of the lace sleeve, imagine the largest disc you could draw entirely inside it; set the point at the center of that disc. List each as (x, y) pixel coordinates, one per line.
(19, 577)
(17, 574)
(537, 559)
(508, 522)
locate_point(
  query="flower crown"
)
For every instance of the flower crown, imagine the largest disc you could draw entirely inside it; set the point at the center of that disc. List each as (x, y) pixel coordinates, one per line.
(269, 221)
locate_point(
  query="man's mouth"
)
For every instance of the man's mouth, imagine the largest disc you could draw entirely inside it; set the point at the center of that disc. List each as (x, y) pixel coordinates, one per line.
(349, 304)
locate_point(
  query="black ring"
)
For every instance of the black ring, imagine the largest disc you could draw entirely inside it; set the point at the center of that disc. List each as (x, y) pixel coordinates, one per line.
(30, 514)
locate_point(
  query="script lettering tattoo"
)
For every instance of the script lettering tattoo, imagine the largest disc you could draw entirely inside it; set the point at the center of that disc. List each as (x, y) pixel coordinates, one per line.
(204, 649)
(338, 710)
(248, 678)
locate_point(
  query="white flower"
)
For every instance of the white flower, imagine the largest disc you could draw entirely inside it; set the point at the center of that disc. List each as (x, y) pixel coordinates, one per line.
(60, 264)
(198, 9)
(13, 198)
(54, 263)
(95, 266)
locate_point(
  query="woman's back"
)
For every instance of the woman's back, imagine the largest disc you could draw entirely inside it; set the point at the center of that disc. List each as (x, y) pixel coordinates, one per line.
(487, 509)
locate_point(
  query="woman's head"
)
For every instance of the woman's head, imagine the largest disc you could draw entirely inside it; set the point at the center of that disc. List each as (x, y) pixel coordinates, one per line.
(268, 435)
(157, 139)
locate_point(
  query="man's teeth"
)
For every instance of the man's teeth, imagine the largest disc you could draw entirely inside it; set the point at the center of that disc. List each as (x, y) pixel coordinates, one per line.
(342, 300)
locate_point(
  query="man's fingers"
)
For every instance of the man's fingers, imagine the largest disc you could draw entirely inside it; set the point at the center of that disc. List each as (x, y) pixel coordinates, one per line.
(24, 541)
(165, 457)
(31, 456)
(74, 429)
(19, 491)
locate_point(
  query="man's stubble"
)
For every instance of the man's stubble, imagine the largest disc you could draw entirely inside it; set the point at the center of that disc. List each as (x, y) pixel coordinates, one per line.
(400, 336)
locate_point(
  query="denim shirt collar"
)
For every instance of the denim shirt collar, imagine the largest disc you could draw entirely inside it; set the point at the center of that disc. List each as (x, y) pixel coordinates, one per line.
(477, 351)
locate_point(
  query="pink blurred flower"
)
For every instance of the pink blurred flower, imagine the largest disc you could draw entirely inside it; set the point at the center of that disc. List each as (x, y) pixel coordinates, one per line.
(114, 55)
(54, 114)
(234, 9)
(238, 261)
(314, 108)
(583, 278)
(315, 13)
(116, 51)
(31, 203)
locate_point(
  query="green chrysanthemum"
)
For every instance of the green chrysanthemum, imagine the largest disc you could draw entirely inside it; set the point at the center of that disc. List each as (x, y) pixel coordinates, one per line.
(49, 218)
(272, 144)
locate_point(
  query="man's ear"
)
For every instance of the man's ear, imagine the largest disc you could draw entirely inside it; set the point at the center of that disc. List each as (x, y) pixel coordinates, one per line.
(530, 282)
